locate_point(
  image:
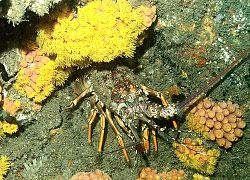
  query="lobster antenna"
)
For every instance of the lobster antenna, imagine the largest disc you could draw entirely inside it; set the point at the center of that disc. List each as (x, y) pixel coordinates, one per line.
(200, 93)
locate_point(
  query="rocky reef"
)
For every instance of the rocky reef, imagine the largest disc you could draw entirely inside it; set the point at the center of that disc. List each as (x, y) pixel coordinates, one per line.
(172, 48)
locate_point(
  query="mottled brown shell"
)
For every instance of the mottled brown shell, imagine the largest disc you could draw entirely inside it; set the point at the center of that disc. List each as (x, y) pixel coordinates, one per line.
(123, 88)
(110, 86)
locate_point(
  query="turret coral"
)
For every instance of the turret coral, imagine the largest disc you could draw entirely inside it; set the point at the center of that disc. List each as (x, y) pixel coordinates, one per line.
(174, 174)
(220, 121)
(101, 31)
(148, 173)
(151, 174)
(39, 76)
(97, 174)
(192, 153)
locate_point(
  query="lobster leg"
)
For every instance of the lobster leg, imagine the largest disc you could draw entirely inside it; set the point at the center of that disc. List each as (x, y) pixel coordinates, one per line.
(78, 98)
(122, 125)
(174, 123)
(99, 106)
(155, 140)
(152, 92)
(102, 133)
(118, 135)
(146, 138)
(91, 119)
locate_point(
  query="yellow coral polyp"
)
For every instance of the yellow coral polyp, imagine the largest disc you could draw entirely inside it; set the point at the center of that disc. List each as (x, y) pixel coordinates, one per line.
(39, 76)
(9, 128)
(192, 154)
(213, 152)
(193, 124)
(1, 134)
(102, 31)
(197, 176)
(4, 166)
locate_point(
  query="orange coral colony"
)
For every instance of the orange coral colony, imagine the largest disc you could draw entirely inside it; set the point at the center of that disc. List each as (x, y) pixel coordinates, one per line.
(29, 71)
(97, 174)
(11, 106)
(39, 75)
(149, 15)
(221, 122)
(148, 173)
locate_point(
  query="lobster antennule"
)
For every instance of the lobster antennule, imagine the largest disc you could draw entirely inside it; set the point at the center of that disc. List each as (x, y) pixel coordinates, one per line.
(190, 100)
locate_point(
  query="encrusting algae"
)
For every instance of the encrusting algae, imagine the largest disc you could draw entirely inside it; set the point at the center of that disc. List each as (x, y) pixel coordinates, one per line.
(100, 32)
(192, 153)
(221, 122)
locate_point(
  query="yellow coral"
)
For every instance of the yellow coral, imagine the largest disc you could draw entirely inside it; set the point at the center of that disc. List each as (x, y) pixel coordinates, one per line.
(4, 166)
(39, 76)
(193, 155)
(8, 127)
(102, 31)
(1, 134)
(213, 152)
(197, 176)
(49, 77)
(193, 123)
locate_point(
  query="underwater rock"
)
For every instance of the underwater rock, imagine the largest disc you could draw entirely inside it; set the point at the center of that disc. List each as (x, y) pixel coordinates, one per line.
(14, 10)
(9, 63)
